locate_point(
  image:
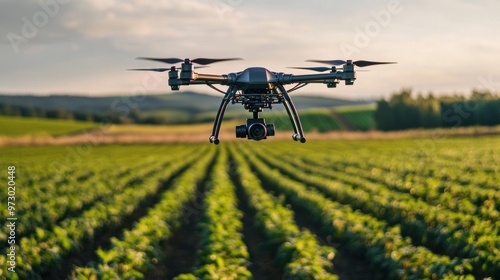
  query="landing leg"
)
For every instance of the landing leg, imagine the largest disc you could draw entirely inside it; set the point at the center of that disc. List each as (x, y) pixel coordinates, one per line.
(294, 116)
(214, 138)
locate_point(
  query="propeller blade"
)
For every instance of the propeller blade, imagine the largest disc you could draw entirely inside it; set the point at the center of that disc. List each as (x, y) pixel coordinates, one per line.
(164, 60)
(206, 61)
(329, 62)
(163, 69)
(364, 63)
(201, 61)
(359, 63)
(151, 69)
(317, 69)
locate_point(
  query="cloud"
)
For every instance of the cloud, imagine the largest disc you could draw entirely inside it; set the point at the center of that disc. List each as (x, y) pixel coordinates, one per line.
(446, 44)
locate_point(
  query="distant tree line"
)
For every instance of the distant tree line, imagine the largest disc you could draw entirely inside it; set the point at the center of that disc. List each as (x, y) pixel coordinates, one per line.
(110, 117)
(403, 111)
(30, 111)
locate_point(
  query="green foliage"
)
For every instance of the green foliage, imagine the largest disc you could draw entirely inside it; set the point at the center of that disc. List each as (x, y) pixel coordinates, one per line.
(17, 126)
(299, 254)
(428, 227)
(223, 254)
(139, 249)
(312, 120)
(46, 247)
(413, 209)
(361, 118)
(402, 111)
(395, 224)
(175, 108)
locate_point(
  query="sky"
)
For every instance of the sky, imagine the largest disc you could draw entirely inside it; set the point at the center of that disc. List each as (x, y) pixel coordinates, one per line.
(85, 47)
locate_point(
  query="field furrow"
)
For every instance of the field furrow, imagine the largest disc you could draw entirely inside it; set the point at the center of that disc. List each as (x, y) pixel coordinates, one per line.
(223, 253)
(417, 208)
(374, 239)
(139, 250)
(48, 247)
(84, 194)
(299, 254)
(441, 230)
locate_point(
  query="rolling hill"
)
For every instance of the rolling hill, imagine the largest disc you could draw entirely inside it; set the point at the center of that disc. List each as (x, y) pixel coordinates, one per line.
(186, 101)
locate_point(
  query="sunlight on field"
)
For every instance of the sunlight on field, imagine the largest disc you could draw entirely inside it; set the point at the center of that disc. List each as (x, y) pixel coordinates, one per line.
(184, 128)
(397, 205)
(17, 126)
(354, 108)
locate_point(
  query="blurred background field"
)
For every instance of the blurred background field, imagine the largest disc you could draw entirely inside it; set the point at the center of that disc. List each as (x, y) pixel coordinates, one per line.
(18, 126)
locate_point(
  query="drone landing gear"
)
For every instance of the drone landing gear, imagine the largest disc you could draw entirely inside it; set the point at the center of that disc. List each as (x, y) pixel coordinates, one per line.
(256, 128)
(297, 137)
(214, 138)
(294, 116)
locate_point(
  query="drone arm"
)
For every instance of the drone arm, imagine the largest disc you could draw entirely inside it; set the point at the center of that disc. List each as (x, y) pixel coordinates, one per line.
(221, 79)
(175, 81)
(312, 78)
(201, 82)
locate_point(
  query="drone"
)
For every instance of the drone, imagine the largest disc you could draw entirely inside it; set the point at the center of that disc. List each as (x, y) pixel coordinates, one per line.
(257, 88)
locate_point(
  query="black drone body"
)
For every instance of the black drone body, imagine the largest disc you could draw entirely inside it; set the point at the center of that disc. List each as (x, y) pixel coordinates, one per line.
(258, 88)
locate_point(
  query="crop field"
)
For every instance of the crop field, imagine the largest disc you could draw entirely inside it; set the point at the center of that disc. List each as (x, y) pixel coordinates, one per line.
(337, 209)
(360, 117)
(17, 126)
(320, 120)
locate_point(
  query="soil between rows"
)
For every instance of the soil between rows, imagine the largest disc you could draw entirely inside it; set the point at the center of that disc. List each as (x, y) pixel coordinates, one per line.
(345, 265)
(102, 238)
(261, 255)
(180, 250)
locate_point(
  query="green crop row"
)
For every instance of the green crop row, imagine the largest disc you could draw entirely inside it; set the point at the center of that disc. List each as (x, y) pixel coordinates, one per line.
(222, 254)
(379, 243)
(452, 185)
(456, 234)
(468, 199)
(139, 249)
(48, 247)
(55, 202)
(459, 185)
(299, 254)
(361, 119)
(19, 126)
(313, 120)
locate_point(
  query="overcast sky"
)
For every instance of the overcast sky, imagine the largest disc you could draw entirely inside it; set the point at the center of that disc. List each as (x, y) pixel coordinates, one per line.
(84, 47)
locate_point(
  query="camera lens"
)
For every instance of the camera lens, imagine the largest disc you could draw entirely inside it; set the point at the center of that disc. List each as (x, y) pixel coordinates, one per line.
(241, 131)
(257, 131)
(270, 129)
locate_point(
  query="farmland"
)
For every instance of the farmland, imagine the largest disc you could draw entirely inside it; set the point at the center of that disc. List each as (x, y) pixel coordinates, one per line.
(360, 117)
(17, 126)
(398, 208)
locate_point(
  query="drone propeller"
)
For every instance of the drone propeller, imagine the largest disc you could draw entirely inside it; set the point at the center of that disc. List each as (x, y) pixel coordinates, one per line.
(201, 61)
(317, 69)
(321, 69)
(151, 69)
(359, 63)
(161, 69)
